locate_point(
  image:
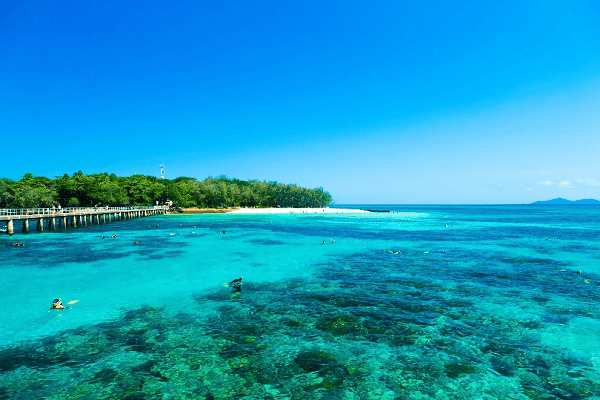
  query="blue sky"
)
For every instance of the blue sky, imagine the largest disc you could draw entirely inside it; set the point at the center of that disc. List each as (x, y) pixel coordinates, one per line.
(424, 102)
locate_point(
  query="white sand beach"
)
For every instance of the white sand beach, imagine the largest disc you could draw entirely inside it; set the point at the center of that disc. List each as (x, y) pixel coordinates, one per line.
(325, 210)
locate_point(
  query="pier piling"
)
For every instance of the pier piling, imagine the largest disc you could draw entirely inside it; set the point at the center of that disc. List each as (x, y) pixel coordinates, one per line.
(52, 219)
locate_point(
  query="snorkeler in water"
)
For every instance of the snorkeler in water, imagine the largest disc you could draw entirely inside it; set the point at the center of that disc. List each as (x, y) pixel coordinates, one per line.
(237, 280)
(57, 304)
(235, 284)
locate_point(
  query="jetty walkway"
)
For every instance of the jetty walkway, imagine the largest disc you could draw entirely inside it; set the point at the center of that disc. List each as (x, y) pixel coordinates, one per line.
(61, 218)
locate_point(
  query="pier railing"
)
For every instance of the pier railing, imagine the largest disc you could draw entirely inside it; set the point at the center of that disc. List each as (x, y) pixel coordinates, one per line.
(72, 210)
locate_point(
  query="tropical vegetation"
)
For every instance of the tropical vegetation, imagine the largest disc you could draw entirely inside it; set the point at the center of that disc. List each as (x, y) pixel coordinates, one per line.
(80, 190)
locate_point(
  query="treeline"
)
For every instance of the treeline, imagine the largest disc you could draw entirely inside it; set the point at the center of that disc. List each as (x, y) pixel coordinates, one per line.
(79, 190)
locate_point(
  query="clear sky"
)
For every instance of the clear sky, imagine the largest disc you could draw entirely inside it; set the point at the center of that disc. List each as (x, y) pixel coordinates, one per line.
(418, 102)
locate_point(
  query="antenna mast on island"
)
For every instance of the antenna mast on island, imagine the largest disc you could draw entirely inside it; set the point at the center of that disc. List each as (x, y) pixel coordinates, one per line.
(162, 171)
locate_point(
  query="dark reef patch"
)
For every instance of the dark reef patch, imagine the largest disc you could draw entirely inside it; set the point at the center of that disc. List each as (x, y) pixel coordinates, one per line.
(368, 324)
(266, 242)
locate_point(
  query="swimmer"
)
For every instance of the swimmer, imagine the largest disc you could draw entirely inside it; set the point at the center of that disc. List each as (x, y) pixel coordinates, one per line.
(332, 240)
(57, 304)
(137, 242)
(237, 287)
(235, 281)
(323, 242)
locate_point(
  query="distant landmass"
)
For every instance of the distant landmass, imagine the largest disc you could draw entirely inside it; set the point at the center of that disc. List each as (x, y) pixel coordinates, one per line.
(560, 201)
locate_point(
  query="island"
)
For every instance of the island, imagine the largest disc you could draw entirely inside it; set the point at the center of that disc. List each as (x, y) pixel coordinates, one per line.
(104, 189)
(560, 201)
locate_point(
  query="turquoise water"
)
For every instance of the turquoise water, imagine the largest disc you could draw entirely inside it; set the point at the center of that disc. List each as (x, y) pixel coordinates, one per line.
(398, 307)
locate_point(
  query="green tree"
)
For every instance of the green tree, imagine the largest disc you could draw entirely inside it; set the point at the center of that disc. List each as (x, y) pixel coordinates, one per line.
(108, 189)
(145, 190)
(5, 192)
(185, 192)
(33, 196)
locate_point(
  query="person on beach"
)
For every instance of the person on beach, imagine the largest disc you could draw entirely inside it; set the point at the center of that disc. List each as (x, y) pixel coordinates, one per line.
(57, 304)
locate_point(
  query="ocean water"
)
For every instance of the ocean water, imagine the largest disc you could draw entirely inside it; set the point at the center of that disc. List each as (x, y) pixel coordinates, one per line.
(424, 302)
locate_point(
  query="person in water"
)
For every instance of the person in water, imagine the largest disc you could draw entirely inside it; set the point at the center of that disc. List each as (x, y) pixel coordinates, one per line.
(236, 288)
(235, 284)
(57, 304)
(237, 280)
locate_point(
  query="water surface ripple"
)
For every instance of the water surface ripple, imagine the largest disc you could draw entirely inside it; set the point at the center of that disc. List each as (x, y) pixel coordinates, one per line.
(502, 303)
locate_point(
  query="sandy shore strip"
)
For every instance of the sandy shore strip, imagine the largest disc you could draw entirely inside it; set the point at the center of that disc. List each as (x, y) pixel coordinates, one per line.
(325, 210)
(196, 210)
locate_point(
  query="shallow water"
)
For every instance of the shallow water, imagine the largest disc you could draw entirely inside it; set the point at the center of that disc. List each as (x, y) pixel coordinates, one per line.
(492, 306)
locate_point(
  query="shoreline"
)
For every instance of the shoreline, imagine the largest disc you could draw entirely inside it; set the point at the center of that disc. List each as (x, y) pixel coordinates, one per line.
(291, 210)
(195, 210)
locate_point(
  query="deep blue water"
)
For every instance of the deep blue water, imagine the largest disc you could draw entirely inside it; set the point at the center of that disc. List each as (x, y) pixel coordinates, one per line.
(424, 302)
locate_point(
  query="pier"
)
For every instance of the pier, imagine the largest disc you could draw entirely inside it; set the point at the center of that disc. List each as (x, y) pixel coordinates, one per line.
(71, 217)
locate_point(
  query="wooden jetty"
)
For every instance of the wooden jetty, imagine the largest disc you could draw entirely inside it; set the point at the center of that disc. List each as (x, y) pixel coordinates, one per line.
(62, 218)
